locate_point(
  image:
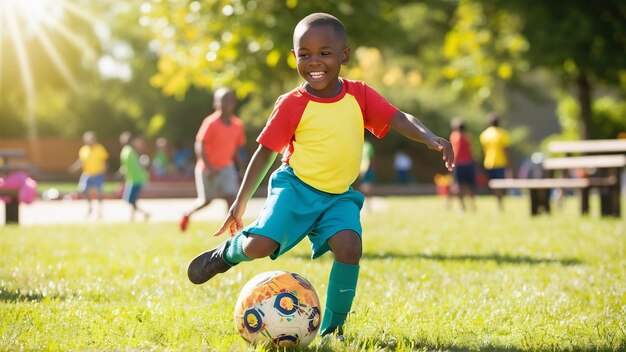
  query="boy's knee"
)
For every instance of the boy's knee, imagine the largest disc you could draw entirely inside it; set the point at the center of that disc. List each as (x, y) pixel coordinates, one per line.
(259, 247)
(346, 245)
(348, 255)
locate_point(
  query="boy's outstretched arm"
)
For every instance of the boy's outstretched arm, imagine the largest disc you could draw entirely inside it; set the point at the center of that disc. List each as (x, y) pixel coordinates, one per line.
(412, 128)
(258, 167)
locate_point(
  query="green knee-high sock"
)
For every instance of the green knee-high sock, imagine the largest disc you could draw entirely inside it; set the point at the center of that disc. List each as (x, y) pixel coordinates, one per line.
(234, 252)
(341, 290)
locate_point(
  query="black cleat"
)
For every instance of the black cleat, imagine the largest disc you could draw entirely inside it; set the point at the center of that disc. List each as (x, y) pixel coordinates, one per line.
(208, 264)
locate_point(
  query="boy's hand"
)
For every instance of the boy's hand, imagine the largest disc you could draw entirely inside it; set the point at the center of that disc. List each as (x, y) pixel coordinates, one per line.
(442, 145)
(233, 222)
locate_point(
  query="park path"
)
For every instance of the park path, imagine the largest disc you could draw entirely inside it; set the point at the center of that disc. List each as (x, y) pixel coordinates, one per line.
(118, 211)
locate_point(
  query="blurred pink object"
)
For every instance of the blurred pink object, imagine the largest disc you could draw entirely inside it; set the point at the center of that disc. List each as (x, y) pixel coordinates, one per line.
(26, 186)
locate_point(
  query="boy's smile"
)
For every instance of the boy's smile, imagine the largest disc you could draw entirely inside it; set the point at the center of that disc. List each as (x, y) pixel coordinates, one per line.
(319, 53)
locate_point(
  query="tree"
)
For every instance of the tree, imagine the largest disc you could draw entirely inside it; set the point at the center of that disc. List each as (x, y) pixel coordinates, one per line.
(585, 41)
(581, 41)
(245, 44)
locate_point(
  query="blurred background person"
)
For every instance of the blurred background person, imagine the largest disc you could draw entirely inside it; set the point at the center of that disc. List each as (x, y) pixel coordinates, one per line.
(495, 141)
(402, 164)
(161, 159)
(92, 160)
(134, 168)
(217, 145)
(183, 159)
(464, 173)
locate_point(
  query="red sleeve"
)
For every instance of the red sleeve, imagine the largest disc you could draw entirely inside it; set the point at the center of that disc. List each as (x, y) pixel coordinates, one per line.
(282, 124)
(377, 111)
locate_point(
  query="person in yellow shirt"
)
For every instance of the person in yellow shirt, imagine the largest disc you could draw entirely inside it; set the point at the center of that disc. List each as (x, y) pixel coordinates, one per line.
(495, 142)
(92, 159)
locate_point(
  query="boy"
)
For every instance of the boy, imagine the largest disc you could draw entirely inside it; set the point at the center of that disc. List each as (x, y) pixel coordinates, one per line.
(134, 172)
(217, 145)
(92, 158)
(320, 127)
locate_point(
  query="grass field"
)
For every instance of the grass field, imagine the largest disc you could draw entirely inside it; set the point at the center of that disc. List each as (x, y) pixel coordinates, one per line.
(431, 279)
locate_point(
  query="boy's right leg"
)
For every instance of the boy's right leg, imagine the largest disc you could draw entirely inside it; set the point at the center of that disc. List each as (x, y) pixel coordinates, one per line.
(208, 264)
(233, 251)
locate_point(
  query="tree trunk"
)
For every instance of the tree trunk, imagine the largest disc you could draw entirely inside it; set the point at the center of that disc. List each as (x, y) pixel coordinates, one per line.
(584, 99)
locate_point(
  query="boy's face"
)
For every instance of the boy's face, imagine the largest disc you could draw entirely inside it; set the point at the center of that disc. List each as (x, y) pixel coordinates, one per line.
(319, 53)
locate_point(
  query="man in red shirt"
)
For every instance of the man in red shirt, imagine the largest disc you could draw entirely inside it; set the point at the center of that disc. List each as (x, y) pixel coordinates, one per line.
(217, 145)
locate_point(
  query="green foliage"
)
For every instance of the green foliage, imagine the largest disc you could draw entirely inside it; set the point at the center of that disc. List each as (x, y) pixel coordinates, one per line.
(483, 46)
(609, 117)
(430, 280)
(435, 59)
(244, 44)
(607, 114)
(568, 111)
(587, 36)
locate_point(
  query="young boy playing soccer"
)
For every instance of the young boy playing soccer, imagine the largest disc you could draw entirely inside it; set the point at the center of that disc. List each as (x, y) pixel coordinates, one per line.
(319, 127)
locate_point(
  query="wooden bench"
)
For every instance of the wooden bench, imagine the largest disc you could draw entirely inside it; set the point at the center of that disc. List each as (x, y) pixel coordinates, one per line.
(601, 171)
(540, 188)
(608, 168)
(609, 197)
(594, 146)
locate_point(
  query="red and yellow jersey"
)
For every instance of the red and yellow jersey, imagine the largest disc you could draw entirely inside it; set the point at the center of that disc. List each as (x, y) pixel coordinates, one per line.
(322, 138)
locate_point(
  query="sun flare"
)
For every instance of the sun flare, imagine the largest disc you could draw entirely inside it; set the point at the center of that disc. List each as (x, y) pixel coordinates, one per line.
(29, 26)
(34, 9)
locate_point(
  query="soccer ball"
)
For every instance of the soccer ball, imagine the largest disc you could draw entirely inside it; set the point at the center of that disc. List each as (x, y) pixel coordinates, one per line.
(278, 308)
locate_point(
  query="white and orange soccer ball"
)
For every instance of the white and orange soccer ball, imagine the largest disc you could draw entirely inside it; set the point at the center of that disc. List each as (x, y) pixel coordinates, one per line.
(278, 308)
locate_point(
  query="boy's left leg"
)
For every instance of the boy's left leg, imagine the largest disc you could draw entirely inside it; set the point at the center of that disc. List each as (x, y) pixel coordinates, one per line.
(346, 245)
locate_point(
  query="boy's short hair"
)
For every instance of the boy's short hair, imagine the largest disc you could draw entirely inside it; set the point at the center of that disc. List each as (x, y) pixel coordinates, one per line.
(323, 19)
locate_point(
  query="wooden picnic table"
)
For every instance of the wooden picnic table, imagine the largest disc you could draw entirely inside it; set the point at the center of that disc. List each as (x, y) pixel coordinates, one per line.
(585, 162)
(600, 165)
(588, 146)
(608, 166)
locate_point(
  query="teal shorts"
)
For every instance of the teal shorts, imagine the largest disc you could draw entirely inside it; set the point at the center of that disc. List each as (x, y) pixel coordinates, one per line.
(294, 210)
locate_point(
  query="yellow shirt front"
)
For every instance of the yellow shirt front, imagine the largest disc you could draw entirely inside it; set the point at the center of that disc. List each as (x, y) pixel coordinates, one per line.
(93, 159)
(495, 140)
(322, 138)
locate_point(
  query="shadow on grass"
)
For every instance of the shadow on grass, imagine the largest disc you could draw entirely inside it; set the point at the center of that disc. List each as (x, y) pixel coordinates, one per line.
(391, 344)
(493, 257)
(17, 296)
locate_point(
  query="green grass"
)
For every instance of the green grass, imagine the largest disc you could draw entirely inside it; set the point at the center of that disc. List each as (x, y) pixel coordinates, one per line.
(430, 279)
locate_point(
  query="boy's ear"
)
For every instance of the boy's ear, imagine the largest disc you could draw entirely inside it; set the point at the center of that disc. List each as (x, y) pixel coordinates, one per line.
(293, 52)
(345, 56)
